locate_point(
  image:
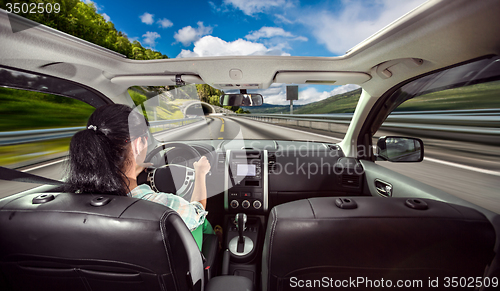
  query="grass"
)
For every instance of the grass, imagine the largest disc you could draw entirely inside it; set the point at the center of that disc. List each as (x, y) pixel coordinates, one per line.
(15, 154)
(342, 103)
(480, 96)
(25, 110)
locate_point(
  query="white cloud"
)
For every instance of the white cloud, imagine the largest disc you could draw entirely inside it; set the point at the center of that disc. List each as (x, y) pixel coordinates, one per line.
(273, 32)
(147, 18)
(215, 8)
(268, 32)
(276, 94)
(283, 19)
(214, 46)
(356, 21)
(106, 17)
(252, 7)
(150, 38)
(97, 7)
(301, 38)
(188, 34)
(165, 23)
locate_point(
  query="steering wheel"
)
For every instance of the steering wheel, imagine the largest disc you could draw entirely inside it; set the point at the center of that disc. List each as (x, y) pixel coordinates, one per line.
(171, 178)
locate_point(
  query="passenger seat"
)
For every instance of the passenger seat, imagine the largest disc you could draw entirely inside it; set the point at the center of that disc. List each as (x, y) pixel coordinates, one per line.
(326, 241)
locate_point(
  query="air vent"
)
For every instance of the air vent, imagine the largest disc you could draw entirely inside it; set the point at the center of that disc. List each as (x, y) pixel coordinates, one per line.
(350, 181)
(271, 161)
(221, 160)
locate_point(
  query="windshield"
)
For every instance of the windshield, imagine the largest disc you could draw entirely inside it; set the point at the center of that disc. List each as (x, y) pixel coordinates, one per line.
(193, 112)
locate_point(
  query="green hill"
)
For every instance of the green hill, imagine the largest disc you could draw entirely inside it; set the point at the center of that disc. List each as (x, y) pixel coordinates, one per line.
(478, 96)
(341, 103)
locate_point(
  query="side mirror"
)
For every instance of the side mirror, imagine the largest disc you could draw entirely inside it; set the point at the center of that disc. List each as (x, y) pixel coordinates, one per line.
(400, 149)
(241, 100)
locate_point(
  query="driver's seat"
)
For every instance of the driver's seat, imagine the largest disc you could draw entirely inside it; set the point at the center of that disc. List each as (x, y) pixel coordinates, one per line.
(95, 242)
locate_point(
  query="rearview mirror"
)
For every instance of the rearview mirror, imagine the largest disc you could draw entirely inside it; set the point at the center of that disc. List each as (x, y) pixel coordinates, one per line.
(400, 149)
(241, 100)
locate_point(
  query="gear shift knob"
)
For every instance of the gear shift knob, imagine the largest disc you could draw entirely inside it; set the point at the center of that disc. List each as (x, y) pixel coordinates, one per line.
(240, 220)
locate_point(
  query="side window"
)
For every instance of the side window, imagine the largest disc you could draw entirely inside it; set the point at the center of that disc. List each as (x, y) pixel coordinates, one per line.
(456, 112)
(36, 128)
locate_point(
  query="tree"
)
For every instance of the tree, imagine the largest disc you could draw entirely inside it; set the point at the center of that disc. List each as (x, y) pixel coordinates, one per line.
(242, 111)
(83, 21)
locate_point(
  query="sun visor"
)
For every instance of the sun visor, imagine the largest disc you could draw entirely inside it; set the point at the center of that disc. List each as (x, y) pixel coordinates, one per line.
(322, 78)
(158, 80)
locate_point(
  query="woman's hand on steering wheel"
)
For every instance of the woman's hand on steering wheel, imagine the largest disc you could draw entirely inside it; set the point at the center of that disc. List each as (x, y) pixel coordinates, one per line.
(202, 166)
(182, 176)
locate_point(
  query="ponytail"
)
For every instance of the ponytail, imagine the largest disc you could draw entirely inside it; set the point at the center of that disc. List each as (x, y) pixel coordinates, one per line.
(99, 154)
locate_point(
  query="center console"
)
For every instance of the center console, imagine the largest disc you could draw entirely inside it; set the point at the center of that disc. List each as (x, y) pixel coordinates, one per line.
(246, 181)
(246, 203)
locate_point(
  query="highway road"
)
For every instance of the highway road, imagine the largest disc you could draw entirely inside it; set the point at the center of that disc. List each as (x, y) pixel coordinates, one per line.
(466, 170)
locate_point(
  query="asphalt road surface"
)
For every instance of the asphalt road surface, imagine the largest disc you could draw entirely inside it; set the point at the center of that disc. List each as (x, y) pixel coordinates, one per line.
(466, 170)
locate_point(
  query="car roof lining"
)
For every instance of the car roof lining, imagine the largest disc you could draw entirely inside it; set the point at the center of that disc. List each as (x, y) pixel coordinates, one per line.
(77, 91)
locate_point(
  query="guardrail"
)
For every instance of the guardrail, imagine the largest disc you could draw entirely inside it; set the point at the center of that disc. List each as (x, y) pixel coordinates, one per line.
(484, 121)
(463, 125)
(27, 136)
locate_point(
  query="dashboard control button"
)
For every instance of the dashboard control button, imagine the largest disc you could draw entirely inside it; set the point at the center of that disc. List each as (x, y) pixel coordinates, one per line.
(257, 204)
(234, 194)
(247, 194)
(245, 204)
(234, 204)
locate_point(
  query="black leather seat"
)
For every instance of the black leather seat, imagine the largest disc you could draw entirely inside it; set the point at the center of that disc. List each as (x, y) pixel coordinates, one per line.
(379, 238)
(72, 243)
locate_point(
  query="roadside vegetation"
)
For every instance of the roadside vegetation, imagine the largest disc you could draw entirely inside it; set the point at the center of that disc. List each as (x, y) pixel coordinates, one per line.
(26, 110)
(82, 20)
(479, 96)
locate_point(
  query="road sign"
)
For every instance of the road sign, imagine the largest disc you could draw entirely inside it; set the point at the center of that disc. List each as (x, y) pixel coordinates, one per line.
(292, 92)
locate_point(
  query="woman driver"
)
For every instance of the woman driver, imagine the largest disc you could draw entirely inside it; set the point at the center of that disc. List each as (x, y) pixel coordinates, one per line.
(107, 157)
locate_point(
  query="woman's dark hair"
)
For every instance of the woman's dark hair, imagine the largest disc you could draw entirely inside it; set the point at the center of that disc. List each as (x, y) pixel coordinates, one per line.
(98, 154)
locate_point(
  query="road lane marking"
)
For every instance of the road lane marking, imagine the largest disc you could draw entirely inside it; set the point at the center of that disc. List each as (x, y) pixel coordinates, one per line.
(222, 125)
(42, 166)
(164, 134)
(221, 138)
(470, 168)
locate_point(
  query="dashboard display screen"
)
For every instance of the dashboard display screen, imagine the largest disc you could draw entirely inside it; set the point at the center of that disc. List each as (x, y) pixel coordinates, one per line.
(245, 170)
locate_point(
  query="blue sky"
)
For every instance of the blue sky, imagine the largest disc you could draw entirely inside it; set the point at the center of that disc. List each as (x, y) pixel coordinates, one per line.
(255, 27)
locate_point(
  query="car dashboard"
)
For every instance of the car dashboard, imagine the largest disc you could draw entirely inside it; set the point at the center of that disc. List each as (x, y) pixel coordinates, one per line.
(255, 175)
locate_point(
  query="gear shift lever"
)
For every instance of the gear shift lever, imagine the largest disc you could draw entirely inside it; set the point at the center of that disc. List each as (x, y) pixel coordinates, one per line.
(240, 245)
(240, 220)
